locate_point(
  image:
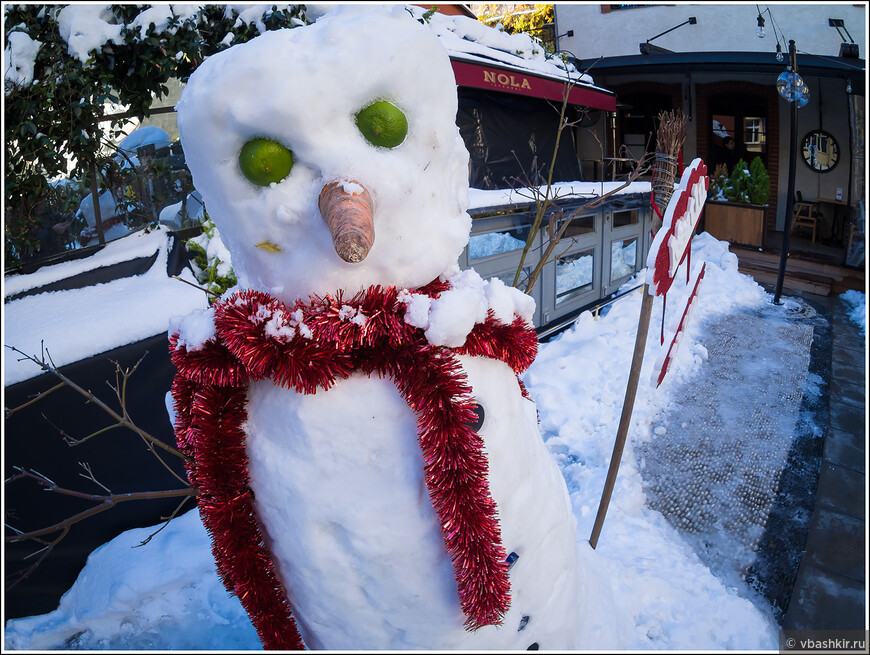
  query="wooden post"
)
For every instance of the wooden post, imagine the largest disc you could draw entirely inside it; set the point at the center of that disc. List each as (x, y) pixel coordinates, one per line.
(627, 407)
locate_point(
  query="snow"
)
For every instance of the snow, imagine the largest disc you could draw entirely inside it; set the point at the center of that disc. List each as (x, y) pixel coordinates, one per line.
(131, 308)
(644, 576)
(858, 313)
(20, 57)
(448, 319)
(484, 198)
(85, 28)
(129, 608)
(156, 18)
(471, 40)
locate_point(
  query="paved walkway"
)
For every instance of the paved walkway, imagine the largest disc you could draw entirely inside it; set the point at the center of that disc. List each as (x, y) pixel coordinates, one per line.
(760, 462)
(829, 593)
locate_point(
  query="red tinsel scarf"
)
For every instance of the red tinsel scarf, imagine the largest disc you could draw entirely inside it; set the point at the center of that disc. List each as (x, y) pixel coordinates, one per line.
(306, 347)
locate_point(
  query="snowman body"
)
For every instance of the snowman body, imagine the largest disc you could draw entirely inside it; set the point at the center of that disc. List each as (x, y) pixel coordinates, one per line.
(365, 565)
(336, 482)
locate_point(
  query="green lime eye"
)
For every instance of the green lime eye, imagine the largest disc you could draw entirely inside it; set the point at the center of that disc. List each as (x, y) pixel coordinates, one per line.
(382, 124)
(264, 161)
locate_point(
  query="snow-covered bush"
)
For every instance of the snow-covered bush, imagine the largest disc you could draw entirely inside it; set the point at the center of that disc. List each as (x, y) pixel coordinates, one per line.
(75, 69)
(210, 259)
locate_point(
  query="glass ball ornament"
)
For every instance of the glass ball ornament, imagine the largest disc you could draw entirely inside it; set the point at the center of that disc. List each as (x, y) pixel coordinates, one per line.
(792, 87)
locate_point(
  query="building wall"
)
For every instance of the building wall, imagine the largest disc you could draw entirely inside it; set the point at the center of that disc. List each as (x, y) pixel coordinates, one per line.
(732, 28)
(720, 27)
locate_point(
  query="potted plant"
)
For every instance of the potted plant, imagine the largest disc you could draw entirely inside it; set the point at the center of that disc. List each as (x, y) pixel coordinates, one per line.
(736, 205)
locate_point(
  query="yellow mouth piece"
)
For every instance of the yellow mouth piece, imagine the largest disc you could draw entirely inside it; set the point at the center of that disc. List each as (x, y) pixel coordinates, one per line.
(268, 245)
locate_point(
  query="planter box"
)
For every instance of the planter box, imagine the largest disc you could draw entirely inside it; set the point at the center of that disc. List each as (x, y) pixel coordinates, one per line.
(736, 223)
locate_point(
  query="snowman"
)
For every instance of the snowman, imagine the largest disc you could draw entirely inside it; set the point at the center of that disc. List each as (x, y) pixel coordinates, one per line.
(369, 466)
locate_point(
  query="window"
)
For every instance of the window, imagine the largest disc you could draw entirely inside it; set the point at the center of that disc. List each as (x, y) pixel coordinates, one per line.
(499, 242)
(573, 275)
(743, 118)
(578, 226)
(754, 134)
(508, 276)
(623, 258)
(625, 218)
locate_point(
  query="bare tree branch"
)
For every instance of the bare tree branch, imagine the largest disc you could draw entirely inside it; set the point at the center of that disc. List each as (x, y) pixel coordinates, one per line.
(545, 198)
(166, 522)
(35, 399)
(196, 286)
(641, 168)
(46, 364)
(104, 502)
(47, 538)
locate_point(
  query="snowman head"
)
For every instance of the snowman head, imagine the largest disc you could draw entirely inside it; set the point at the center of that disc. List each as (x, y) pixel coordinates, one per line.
(268, 125)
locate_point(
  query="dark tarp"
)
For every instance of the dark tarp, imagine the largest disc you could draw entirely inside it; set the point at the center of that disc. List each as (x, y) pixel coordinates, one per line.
(118, 458)
(505, 133)
(176, 262)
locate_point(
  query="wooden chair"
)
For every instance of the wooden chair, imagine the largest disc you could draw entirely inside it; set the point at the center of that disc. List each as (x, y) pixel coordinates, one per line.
(806, 214)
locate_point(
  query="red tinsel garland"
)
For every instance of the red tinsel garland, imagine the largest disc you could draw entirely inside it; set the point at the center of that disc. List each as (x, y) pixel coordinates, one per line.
(308, 346)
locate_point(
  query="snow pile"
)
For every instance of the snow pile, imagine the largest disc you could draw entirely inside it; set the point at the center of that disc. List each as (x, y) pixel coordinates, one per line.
(858, 313)
(20, 57)
(130, 308)
(166, 587)
(666, 598)
(87, 27)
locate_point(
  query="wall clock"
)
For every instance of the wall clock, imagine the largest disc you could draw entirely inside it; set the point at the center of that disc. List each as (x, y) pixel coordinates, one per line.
(820, 151)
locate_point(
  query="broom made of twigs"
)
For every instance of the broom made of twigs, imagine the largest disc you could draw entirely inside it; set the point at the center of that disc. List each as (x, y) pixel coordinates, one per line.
(670, 137)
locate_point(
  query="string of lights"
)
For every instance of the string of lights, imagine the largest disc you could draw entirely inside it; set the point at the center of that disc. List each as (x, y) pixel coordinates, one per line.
(777, 32)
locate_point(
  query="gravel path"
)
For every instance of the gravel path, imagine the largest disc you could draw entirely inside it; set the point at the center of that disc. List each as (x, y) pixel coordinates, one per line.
(734, 463)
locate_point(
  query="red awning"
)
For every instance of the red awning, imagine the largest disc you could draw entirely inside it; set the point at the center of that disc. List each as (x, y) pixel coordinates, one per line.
(525, 83)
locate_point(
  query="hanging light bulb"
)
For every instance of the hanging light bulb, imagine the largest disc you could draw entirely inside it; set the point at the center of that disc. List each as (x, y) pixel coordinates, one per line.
(848, 86)
(779, 55)
(759, 31)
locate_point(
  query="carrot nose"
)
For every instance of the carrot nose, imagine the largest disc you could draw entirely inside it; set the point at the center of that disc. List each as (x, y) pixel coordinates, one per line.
(346, 208)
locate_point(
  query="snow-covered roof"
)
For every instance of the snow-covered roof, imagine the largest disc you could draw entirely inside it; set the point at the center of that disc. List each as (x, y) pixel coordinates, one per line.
(471, 40)
(479, 199)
